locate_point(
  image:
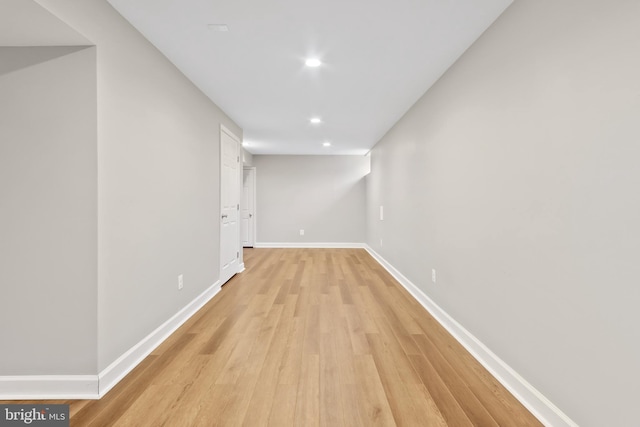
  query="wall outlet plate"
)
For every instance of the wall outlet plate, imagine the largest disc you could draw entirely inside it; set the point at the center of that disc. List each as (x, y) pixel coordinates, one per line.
(180, 282)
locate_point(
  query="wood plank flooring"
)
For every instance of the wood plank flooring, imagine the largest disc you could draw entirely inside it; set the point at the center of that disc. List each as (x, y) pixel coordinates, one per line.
(308, 337)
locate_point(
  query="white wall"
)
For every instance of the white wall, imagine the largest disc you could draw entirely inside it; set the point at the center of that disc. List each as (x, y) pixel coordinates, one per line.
(324, 195)
(48, 211)
(516, 177)
(247, 158)
(158, 180)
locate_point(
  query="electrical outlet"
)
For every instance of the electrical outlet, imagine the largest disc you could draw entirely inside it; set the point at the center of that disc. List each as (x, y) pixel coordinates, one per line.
(433, 275)
(380, 242)
(301, 232)
(180, 282)
(381, 213)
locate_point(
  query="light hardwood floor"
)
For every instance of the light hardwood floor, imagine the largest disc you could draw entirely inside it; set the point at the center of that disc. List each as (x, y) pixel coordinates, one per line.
(308, 337)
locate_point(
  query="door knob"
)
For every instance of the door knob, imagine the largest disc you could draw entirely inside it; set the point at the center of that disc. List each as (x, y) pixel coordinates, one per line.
(250, 215)
(224, 216)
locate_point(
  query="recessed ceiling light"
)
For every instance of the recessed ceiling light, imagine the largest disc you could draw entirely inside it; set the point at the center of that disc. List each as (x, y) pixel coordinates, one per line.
(326, 144)
(315, 120)
(218, 27)
(312, 62)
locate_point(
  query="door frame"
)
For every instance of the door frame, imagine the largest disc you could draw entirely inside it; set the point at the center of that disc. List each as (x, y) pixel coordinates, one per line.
(255, 215)
(240, 263)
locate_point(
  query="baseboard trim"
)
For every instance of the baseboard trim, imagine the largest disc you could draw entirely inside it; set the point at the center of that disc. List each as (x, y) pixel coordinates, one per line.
(117, 370)
(322, 245)
(532, 399)
(64, 387)
(48, 387)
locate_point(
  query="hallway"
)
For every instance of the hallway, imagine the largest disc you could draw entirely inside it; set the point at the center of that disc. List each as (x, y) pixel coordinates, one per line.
(308, 337)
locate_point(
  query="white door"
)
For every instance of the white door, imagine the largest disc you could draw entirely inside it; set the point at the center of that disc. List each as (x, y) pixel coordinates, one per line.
(247, 210)
(229, 205)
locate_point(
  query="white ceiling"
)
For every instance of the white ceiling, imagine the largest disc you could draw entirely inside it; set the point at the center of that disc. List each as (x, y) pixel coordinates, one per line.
(379, 57)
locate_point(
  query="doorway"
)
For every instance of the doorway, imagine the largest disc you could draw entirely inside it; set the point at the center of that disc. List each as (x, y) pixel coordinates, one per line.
(247, 207)
(229, 204)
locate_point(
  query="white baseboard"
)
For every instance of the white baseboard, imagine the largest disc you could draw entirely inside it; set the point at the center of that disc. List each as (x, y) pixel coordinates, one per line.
(59, 387)
(323, 245)
(49, 387)
(63, 387)
(532, 399)
(115, 372)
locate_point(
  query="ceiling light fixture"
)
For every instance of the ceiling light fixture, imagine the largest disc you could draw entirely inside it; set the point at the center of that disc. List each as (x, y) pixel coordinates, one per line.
(326, 144)
(312, 62)
(222, 28)
(315, 120)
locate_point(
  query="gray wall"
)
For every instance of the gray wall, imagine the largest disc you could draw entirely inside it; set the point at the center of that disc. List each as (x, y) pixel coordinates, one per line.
(516, 177)
(324, 195)
(158, 180)
(48, 210)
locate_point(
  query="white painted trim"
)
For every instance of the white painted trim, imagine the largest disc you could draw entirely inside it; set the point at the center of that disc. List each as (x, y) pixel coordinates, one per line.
(63, 387)
(115, 372)
(241, 268)
(232, 135)
(229, 132)
(49, 387)
(309, 245)
(254, 236)
(541, 407)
